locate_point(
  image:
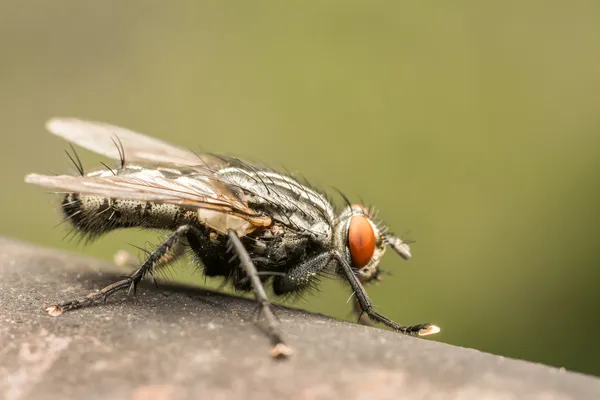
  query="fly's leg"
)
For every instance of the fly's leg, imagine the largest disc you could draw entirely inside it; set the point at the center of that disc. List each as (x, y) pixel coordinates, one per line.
(362, 318)
(304, 274)
(123, 258)
(157, 258)
(301, 275)
(367, 307)
(279, 347)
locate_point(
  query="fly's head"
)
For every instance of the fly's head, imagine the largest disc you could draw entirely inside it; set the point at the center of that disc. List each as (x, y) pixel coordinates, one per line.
(363, 243)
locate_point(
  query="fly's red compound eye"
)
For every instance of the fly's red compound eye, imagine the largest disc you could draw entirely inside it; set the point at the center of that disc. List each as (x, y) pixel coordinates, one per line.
(361, 241)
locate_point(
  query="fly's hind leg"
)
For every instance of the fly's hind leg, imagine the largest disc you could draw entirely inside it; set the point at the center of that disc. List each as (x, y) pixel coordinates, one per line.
(124, 258)
(279, 347)
(169, 249)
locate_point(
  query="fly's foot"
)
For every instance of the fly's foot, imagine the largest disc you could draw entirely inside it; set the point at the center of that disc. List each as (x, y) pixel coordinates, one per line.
(54, 310)
(57, 309)
(280, 350)
(419, 330)
(413, 330)
(128, 283)
(426, 329)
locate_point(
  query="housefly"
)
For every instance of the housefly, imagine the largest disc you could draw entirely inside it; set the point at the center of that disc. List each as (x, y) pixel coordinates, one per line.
(246, 223)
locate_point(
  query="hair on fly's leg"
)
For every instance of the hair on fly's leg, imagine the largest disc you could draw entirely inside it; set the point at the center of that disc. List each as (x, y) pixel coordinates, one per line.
(163, 266)
(362, 318)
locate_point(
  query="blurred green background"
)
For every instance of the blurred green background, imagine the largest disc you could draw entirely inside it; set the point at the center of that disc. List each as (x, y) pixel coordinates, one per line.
(473, 125)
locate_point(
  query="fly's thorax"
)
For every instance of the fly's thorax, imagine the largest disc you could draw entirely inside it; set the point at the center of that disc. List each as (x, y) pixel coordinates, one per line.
(360, 240)
(283, 198)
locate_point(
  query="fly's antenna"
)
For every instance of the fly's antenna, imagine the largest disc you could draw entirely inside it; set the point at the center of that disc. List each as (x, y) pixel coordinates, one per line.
(75, 159)
(401, 247)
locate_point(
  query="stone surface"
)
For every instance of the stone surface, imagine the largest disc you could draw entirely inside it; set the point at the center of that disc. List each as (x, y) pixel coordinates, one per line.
(193, 344)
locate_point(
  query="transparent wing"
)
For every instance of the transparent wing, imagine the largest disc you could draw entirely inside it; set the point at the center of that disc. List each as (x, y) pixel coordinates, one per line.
(199, 192)
(107, 140)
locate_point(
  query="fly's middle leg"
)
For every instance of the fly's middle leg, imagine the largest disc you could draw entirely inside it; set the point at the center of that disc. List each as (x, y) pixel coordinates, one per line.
(170, 248)
(279, 347)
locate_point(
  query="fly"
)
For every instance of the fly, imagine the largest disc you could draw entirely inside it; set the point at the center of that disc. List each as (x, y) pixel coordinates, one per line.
(245, 223)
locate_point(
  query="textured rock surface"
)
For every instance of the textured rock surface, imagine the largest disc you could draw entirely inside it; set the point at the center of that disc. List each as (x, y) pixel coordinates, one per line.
(198, 344)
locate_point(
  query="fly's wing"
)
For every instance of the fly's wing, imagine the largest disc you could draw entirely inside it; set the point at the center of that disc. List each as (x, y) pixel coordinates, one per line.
(118, 143)
(217, 204)
(220, 205)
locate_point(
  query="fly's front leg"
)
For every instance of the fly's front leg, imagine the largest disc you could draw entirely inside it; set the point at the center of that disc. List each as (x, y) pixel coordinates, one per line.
(279, 347)
(362, 318)
(156, 258)
(367, 307)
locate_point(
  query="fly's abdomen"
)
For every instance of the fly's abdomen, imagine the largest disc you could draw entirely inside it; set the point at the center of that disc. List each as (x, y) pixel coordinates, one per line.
(93, 215)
